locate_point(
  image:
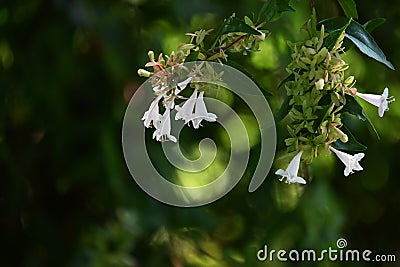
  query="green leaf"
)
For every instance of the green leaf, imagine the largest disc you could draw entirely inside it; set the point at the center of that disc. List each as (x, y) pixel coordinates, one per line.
(372, 24)
(370, 49)
(237, 66)
(284, 110)
(331, 40)
(322, 114)
(192, 56)
(351, 145)
(272, 10)
(349, 8)
(287, 79)
(353, 107)
(234, 24)
(356, 33)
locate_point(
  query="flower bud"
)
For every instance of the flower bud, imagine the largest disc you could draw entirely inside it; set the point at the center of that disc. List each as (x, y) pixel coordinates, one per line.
(353, 91)
(260, 37)
(151, 55)
(320, 84)
(349, 80)
(337, 133)
(143, 73)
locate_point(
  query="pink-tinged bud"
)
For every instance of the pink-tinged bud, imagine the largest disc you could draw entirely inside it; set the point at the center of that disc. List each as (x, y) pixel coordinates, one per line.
(353, 91)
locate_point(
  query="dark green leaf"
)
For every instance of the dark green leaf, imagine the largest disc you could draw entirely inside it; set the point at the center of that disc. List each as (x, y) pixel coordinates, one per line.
(322, 113)
(272, 10)
(349, 8)
(353, 107)
(360, 37)
(331, 40)
(284, 110)
(371, 50)
(192, 56)
(372, 24)
(351, 145)
(287, 79)
(237, 66)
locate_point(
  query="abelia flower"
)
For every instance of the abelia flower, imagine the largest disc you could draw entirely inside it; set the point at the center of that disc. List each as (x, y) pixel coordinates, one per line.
(381, 101)
(292, 170)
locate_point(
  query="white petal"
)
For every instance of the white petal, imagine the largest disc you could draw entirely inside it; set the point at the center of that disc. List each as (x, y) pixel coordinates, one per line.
(294, 164)
(163, 131)
(351, 162)
(380, 101)
(201, 112)
(182, 85)
(385, 93)
(186, 111)
(382, 109)
(344, 157)
(152, 114)
(281, 172)
(299, 180)
(347, 171)
(291, 172)
(371, 98)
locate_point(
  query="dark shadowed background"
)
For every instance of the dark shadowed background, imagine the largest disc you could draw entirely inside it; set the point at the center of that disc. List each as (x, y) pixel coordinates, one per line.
(67, 71)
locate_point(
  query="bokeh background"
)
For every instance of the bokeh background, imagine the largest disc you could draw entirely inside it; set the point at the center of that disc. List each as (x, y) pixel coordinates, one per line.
(67, 72)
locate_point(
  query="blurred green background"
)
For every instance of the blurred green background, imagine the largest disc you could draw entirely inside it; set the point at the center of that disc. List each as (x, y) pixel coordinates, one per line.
(67, 72)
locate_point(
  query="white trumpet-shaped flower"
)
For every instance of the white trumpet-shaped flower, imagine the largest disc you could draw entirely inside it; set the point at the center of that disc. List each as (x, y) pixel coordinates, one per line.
(151, 116)
(163, 128)
(182, 85)
(381, 101)
(200, 112)
(351, 161)
(291, 172)
(186, 111)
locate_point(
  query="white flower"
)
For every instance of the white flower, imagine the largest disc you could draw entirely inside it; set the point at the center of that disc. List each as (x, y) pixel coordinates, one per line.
(182, 85)
(163, 128)
(351, 161)
(152, 114)
(160, 90)
(186, 111)
(380, 101)
(291, 172)
(200, 112)
(320, 84)
(260, 37)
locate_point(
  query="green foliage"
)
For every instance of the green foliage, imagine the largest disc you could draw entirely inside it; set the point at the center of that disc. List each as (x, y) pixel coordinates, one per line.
(351, 145)
(354, 108)
(349, 8)
(334, 35)
(234, 24)
(372, 24)
(356, 33)
(272, 10)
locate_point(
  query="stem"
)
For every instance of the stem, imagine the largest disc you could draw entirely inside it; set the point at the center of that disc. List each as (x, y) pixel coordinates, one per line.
(312, 4)
(234, 42)
(230, 45)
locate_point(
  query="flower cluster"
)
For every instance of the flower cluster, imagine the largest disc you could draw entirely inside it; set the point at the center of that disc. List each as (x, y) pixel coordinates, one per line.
(317, 95)
(166, 90)
(166, 71)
